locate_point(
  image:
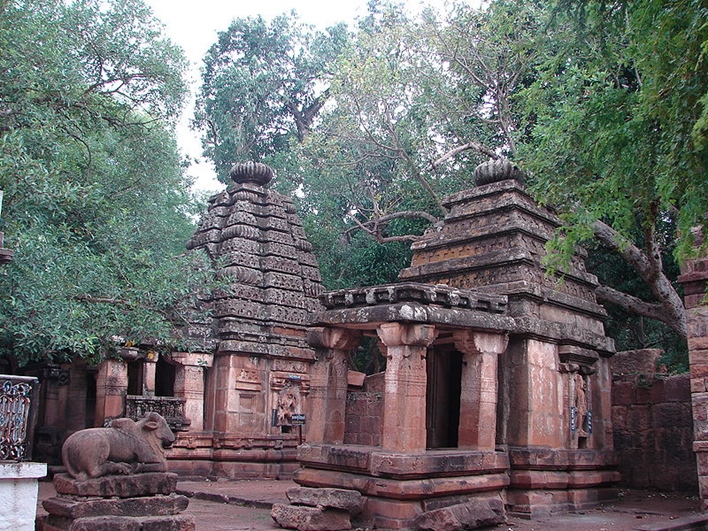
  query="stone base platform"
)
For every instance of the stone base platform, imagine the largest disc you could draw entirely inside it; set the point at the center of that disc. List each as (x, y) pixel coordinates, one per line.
(545, 481)
(400, 487)
(234, 458)
(138, 502)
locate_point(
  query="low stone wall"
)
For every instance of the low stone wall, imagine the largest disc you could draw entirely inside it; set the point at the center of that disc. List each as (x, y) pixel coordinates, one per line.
(653, 425)
(651, 416)
(364, 412)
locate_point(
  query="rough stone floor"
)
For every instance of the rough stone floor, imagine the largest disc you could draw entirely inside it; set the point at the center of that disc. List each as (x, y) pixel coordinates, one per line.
(245, 505)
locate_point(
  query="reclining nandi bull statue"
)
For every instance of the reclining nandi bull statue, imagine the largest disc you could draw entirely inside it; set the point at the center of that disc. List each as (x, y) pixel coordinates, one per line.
(124, 447)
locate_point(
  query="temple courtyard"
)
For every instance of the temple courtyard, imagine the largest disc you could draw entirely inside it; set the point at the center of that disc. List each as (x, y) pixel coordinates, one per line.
(245, 505)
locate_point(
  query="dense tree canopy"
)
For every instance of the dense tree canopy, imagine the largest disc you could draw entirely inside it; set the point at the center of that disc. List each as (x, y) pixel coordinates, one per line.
(263, 85)
(617, 139)
(603, 103)
(95, 201)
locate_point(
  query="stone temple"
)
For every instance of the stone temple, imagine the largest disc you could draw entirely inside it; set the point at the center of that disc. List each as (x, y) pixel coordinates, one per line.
(497, 384)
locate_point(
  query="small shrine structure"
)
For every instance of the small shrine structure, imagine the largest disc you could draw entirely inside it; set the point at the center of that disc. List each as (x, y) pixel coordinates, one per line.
(497, 384)
(255, 399)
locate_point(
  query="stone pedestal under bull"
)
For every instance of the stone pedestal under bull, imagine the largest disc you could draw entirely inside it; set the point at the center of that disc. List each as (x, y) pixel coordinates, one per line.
(117, 479)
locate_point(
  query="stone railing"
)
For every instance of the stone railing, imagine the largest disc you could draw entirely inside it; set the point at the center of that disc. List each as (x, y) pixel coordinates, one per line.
(18, 415)
(171, 409)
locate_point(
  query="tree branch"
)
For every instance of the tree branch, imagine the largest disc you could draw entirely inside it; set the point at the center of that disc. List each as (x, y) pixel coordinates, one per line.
(670, 301)
(470, 145)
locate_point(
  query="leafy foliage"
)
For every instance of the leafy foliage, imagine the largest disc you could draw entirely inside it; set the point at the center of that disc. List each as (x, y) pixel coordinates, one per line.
(604, 103)
(96, 206)
(263, 86)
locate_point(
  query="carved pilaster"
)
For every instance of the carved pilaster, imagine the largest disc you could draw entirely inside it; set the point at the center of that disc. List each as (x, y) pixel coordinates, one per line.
(111, 389)
(405, 385)
(478, 397)
(328, 386)
(189, 384)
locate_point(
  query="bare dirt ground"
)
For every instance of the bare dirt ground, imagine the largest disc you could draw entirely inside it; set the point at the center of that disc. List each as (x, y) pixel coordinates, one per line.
(245, 505)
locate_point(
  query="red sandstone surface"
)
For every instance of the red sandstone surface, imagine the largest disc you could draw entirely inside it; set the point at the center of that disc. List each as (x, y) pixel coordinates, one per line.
(221, 506)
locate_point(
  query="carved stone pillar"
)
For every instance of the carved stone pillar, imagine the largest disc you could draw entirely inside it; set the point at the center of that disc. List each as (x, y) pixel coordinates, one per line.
(478, 396)
(149, 372)
(405, 385)
(189, 384)
(328, 394)
(111, 388)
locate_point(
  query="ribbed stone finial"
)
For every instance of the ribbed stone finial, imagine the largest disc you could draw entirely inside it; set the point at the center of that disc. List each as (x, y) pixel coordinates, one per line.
(494, 171)
(252, 172)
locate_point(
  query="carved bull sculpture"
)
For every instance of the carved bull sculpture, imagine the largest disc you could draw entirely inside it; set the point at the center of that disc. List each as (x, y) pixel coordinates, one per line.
(124, 447)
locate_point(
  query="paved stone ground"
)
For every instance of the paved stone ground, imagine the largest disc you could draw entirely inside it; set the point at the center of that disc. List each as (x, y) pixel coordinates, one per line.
(245, 505)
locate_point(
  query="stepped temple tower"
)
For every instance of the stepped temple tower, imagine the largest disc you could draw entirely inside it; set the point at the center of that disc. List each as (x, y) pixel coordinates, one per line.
(497, 385)
(258, 387)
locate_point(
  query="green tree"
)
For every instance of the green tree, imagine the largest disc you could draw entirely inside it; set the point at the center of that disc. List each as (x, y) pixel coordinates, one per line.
(617, 136)
(413, 111)
(96, 206)
(263, 85)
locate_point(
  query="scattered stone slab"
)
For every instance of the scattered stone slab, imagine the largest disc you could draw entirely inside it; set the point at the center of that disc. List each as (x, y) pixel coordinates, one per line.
(473, 514)
(304, 518)
(145, 484)
(183, 522)
(144, 506)
(347, 500)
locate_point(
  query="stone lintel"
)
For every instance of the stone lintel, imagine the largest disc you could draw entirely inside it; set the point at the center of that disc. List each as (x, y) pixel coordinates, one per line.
(229, 347)
(565, 333)
(575, 354)
(247, 447)
(376, 462)
(440, 295)
(538, 458)
(413, 312)
(196, 359)
(177, 522)
(419, 489)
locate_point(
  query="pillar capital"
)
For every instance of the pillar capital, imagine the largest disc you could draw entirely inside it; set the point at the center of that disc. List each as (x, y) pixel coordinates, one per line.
(340, 338)
(413, 335)
(474, 342)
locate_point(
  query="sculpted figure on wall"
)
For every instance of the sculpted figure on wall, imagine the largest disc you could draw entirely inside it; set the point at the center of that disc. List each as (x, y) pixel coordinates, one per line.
(288, 404)
(124, 447)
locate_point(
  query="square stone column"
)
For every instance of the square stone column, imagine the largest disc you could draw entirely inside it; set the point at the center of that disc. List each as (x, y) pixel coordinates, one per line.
(694, 278)
(149, 373)
(478, 397)
(405, 385)
(328, 391)
(111, 389)
(189, 384)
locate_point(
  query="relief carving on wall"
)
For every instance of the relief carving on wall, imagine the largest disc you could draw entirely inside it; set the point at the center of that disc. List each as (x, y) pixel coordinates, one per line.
(289, 390)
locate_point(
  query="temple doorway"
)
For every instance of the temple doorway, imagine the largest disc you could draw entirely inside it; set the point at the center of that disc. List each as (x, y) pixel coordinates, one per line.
(444, 371)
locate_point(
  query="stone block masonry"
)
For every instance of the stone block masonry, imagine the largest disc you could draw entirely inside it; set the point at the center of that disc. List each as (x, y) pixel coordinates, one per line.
(653, 432)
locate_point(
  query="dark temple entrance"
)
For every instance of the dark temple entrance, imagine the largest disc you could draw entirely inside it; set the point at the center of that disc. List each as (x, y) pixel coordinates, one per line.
(444, 370)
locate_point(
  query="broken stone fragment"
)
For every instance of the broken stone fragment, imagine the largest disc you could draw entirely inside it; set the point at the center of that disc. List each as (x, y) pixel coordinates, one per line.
(470, 515)
(305, 518)
(346, 500)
